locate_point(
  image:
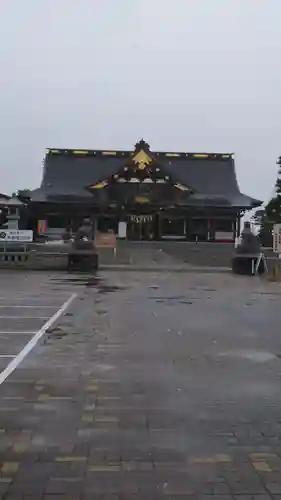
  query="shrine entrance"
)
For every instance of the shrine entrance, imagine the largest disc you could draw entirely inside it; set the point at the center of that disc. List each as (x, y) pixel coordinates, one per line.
(141, 227)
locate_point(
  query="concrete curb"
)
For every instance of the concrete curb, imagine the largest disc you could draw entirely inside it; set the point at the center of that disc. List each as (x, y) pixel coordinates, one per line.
(159, 269)
(119, 268)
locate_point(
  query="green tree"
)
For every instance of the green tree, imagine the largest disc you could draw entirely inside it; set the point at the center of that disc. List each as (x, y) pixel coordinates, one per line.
(272, 212)
(23, 194)
(258, 217)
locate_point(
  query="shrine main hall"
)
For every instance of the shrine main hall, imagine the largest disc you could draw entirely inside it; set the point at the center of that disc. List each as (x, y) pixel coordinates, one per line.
(140, 194)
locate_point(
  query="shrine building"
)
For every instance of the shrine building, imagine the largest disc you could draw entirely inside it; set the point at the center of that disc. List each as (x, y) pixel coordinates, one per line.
(140, 194)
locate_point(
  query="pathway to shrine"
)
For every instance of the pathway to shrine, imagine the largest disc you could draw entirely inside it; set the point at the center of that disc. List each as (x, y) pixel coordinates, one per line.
(139, 385)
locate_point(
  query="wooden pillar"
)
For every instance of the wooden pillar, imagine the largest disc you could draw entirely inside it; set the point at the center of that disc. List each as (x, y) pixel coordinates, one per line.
(238, 224)
(159, 226)
(212, 229)
(95, 225)
(209, 227)
(234, 224)
(186, 222)
(156, 227)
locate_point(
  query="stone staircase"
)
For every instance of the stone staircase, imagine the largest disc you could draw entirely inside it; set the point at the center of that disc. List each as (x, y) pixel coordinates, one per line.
(167, 253)
(133, 254)
(173, 255)
(199, 254)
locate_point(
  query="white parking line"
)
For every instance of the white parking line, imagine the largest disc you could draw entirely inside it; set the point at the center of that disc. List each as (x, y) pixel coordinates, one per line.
(32, 343)
(35, 306)
(18, 332)
(25, 297)
(7, 355)
(24, 317)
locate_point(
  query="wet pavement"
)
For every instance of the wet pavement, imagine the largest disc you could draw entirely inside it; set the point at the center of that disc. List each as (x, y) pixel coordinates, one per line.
(26, 304)
(149, 386)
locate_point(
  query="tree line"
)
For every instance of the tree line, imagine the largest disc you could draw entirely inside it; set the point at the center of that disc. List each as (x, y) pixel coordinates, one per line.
(266, 217)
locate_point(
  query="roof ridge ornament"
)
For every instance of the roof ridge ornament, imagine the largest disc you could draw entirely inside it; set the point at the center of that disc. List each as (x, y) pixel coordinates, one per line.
(142, 159)
(141, 155)
(142, 145)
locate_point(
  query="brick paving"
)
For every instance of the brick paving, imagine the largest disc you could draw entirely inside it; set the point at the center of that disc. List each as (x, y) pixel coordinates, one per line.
(151, 386)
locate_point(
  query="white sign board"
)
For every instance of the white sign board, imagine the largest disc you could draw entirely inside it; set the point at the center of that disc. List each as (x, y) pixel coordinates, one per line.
(223, 236)
(16, 235)
(277, 238)
(122, 229)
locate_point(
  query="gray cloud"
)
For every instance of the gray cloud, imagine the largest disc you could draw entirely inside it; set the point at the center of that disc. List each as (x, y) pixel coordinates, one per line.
(185, 75)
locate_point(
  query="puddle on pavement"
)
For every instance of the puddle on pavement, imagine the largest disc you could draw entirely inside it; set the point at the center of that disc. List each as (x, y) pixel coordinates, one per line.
(91, 282)
(108, 289)
(167, 297)
(101, 312)
(56, 333)
(252, 355)
(103, 367)
(181, 299)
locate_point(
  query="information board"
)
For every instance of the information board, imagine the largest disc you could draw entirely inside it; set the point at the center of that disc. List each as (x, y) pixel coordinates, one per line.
(20, 235)
(224, 236)
(105, 240)
(277, 238)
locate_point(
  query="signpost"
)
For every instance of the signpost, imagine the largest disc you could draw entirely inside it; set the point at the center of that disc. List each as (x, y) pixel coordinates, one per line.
(276, 234)
(277, 238)
(16, 235)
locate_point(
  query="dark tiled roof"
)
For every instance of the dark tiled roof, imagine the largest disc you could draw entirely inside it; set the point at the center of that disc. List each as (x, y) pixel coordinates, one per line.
(212, 177)
(5, 196)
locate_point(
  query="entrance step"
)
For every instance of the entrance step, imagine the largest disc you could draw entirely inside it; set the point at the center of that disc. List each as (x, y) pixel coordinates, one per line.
(136, 253)
(168, 253)
(199, 254)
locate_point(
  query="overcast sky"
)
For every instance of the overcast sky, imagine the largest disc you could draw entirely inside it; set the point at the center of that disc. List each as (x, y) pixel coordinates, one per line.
(185, 75)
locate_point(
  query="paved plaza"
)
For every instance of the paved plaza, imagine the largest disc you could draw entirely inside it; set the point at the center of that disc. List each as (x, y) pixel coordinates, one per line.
(139, 386)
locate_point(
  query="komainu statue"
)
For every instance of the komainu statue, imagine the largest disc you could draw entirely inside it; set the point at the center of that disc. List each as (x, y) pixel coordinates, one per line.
(83, 254)
(250, 243)
(247, 257)
(85, 236)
